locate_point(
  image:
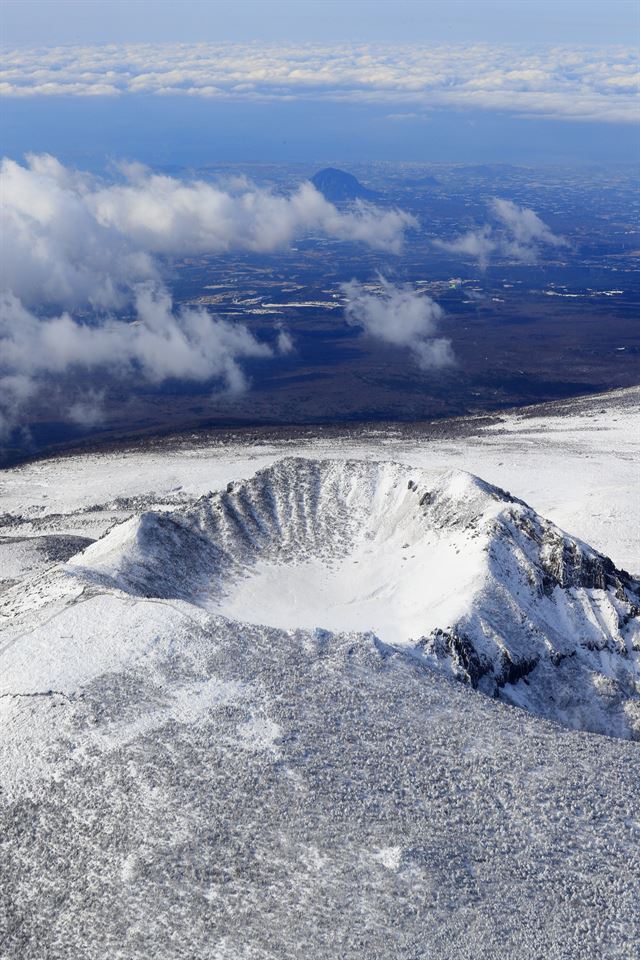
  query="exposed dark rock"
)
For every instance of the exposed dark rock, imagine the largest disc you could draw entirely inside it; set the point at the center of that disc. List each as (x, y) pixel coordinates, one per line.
(338, 186)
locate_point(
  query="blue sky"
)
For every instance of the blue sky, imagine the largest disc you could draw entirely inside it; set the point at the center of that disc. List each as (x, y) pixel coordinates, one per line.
(320, 21)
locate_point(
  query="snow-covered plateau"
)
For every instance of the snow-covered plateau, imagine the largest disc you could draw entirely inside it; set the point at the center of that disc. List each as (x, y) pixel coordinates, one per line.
(358, 694)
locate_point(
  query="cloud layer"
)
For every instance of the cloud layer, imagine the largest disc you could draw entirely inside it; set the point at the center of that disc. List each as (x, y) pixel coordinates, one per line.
(401, 316)
(79, 252)
(598, 84)
(517, 233)
(71, 240)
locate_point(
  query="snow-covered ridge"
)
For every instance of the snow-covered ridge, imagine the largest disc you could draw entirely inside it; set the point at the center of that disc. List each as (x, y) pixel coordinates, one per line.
(450, 568)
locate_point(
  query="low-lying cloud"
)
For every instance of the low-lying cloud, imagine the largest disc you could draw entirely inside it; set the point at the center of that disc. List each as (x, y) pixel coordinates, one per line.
(80, 252)
(517, 233)
(401, 316)
(164, 215)
(71, 240)
(570, 83)
(162, 343)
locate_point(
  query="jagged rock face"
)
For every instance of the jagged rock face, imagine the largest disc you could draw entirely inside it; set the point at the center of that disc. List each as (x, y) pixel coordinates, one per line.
(470, 579)
(555, 629)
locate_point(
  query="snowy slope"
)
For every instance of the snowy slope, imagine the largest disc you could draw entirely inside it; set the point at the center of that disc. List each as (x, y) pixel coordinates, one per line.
(577, 462)
(236, 792)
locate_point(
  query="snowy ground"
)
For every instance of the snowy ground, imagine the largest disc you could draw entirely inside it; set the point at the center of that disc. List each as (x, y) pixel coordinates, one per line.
(174, 783)
(576, 463)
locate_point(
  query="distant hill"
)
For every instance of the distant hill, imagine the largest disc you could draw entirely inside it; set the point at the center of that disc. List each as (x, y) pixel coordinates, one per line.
(427, 181)
(337, 185)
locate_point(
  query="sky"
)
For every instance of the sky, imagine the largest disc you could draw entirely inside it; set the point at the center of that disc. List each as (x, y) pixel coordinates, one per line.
(320, 21)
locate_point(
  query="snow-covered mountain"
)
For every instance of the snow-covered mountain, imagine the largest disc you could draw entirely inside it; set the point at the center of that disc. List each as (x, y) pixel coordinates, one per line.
(232, 727)
(469, 578)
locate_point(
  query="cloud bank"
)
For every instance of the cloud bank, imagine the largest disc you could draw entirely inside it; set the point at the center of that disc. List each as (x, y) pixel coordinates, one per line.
(517, 233)
(70, 239)
(571, 83)
(79, 253)
(401, 316)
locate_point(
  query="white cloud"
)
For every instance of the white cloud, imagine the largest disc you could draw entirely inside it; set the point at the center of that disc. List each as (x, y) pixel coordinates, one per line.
(524, 225)
(411, 117)
(518, 234)
(401, 316)
(563, 82)
(72, 240)
(190, 344)
(164, 215)
(54, 249)
(284, 341)
(73, 243)
(478, 244)
(88, 409)
(162, 343)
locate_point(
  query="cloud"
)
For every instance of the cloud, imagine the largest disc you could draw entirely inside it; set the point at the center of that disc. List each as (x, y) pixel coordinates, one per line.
(162, 343)
(70, 240)
(165, 215)
(81, 287)
(55, 251)
(570, 83)
(88, 409)
(524, 225)
(284, 341)
(518, 234)
(401, 316)
(412, 117)
(478, 244)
